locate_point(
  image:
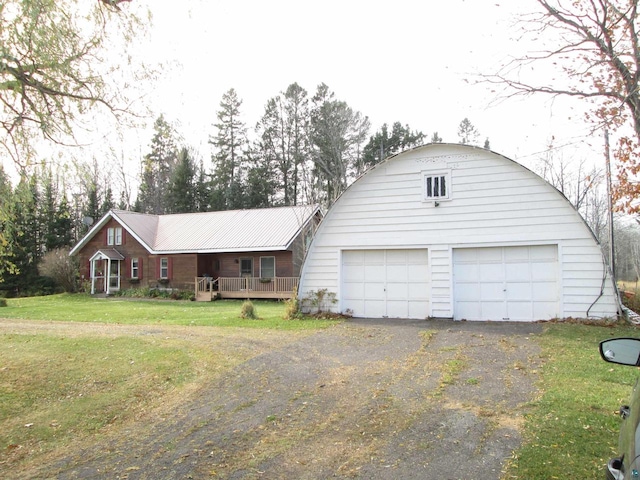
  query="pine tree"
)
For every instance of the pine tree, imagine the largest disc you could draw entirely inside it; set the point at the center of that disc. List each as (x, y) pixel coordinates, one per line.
(157, 167)
(467, 133)
(181, 193)
(7, 261)
(336, 135)
(384, 144)
(229, 158)
(283, 143)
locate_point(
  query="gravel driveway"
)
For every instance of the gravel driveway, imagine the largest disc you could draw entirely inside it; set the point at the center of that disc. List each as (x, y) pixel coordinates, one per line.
(374, 399)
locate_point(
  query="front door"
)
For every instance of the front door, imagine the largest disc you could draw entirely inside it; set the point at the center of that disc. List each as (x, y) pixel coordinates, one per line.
(114, 276)
(246, 267)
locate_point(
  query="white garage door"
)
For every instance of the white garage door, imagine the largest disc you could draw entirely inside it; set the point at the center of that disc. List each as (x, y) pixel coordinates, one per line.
(385, 283)
(506, 283)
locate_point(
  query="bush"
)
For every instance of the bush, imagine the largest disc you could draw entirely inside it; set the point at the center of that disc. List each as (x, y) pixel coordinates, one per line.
(319, 301)
(61, 268)
(248, 311)
(292, 307)
(3, 302)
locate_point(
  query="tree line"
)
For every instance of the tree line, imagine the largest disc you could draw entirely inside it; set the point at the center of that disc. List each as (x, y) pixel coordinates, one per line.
(306, 150)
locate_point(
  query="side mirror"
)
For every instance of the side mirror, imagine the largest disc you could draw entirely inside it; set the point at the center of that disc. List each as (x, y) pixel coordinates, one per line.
(624, 351)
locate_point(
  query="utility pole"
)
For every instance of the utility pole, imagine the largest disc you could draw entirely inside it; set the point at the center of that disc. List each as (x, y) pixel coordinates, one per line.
(612, 259)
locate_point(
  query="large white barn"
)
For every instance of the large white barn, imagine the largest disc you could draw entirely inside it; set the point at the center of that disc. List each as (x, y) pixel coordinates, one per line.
(459, 232)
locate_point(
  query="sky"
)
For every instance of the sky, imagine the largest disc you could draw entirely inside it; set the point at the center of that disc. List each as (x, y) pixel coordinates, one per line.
(416, 62)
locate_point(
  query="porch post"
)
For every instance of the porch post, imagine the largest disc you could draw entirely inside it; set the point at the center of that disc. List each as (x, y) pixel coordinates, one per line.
(108, 276)
(92, 273)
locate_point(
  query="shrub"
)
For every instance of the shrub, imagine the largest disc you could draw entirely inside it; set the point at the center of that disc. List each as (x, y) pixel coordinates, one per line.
(292, 307)
(319, 301)
(248, 310)
(61, 268)
(3, 302)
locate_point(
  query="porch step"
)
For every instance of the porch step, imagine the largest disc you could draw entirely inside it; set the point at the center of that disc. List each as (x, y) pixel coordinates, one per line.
(203, 297)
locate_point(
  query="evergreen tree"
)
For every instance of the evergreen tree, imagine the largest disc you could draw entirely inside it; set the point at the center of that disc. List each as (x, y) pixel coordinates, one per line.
(336, 135)
(260, 186)
(7, 261)
(229, 158)
(181, 193)
(24, 233)
(467, 133)
(283, 132)
(157, 167)
(107, 200)
(202, 190)
(384, 144)
(435, 138)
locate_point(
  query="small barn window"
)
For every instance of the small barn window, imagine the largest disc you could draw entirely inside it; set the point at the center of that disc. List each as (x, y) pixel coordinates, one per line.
(436, 186)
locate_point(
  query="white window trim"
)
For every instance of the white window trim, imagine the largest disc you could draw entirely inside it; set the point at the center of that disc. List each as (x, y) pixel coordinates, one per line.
(446, 174)
(164, 267)
(118, 235)
(135, 268)
(111, 236)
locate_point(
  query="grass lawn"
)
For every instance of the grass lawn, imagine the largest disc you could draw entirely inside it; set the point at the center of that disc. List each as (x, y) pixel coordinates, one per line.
(59, 389)
(82, 308)
(572, 428)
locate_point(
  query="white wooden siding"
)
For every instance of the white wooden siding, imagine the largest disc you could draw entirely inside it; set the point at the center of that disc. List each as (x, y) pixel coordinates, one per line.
(494, 202)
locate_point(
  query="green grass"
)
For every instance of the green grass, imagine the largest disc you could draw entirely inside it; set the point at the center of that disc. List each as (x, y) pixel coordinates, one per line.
(572, 429)
(224, 313)
(54, 389)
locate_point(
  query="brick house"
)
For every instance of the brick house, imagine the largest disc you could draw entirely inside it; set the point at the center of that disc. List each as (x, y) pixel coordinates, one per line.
(240, 253)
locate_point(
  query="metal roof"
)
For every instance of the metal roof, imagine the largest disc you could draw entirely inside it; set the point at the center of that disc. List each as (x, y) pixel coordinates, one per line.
(265, 229)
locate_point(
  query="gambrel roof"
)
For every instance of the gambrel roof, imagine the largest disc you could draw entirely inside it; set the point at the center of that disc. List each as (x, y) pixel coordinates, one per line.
(265, 229)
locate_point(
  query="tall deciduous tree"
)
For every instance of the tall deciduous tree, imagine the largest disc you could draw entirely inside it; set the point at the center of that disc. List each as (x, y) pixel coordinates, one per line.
(53, 67)
(385, 143)
(595, 45)
(229, 159)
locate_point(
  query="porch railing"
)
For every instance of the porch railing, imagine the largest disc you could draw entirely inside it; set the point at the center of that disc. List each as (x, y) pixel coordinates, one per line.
(276, 285)
(246, 286)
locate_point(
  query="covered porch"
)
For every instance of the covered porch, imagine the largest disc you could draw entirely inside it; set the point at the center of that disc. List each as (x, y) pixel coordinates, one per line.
(105, 271)
(245, 287)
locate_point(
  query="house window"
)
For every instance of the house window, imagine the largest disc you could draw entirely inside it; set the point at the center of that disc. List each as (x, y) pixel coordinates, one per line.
(164, 268)
(135, 268)
(114, 236)
(436, 186)
(267, 267)
(246, 267)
